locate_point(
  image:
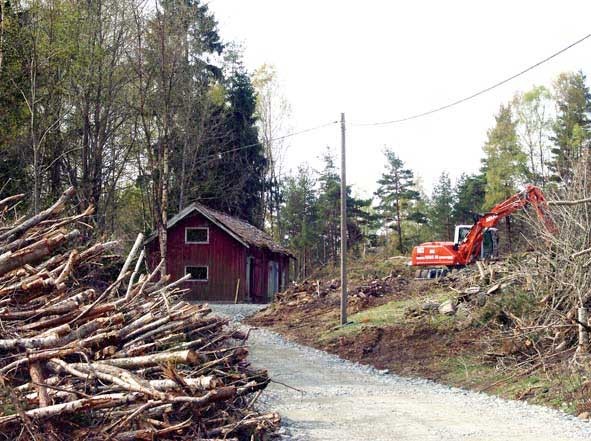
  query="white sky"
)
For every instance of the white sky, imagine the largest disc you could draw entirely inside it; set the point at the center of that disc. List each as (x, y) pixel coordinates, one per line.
(380, 60)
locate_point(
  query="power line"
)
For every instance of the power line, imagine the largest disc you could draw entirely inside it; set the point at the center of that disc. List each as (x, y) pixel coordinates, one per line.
(289, 135)
(476, 94)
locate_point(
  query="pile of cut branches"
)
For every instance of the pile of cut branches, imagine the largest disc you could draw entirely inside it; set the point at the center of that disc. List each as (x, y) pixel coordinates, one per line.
(307, 290)
(125, 361)
(549, 323)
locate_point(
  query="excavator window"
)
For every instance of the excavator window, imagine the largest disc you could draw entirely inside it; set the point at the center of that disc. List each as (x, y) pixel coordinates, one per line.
(487, 245)
(461, 233)
(490, 244)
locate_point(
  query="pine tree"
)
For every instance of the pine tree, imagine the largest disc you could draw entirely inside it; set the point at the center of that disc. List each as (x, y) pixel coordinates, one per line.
(231, 174)
(361, 221)
(310, 216)
(299, 217)
(329, 208)
(397, 195)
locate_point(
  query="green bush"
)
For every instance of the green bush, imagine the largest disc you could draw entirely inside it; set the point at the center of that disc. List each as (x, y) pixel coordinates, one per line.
(518, 302)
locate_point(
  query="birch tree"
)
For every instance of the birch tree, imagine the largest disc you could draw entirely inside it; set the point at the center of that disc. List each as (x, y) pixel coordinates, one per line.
(533, 112)
(273, 112)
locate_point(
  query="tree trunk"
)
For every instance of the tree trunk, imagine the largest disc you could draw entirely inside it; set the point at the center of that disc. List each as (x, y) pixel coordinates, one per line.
(37, 377)
(583, 346)
(162, 233)
(34, 141)
(1, 33)
(182, 178)
(186, 357)
(399, 227)
(508, 229)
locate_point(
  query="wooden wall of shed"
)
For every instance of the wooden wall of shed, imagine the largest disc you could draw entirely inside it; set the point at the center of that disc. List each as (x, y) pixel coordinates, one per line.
(224, 256)
(260, 283)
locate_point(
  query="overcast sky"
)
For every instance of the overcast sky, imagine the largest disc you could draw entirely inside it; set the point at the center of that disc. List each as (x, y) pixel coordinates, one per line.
(380, 60)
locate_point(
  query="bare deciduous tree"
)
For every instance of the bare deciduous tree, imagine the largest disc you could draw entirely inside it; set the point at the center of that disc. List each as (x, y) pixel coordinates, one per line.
(273, 113)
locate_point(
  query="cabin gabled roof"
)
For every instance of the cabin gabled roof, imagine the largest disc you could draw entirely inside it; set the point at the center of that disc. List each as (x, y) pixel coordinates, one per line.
(245, 233)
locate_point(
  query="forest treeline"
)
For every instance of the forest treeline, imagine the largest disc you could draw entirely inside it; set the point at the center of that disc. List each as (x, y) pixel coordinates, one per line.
(541, 137)
(144, 109)
(139, 105)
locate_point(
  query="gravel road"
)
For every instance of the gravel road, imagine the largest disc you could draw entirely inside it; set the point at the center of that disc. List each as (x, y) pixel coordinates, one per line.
(338, 400)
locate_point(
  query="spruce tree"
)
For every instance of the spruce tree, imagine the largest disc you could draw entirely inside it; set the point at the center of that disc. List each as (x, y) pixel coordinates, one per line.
(441, 209)
(572, 126)
(469, 192)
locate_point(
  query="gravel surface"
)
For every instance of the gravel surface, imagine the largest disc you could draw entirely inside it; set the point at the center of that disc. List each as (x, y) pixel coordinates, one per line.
(337, 400)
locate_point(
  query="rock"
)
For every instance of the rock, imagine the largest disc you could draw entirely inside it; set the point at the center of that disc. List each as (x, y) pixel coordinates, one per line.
(472, 290)
(481, 299)
(430, 306)
(584, 416)
(463, 311)
(447, 308)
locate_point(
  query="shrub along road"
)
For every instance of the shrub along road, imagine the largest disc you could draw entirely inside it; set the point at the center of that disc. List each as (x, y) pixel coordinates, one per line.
(329, 398)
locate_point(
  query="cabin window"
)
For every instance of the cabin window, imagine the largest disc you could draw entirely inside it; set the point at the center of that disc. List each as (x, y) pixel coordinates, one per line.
(197, 235)
(198, 273)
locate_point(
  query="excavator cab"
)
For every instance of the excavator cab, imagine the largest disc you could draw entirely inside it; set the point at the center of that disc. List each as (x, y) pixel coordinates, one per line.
(461, 233)
(490, 241)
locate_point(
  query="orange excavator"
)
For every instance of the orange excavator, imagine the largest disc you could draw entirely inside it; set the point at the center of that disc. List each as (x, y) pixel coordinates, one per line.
(478, 241)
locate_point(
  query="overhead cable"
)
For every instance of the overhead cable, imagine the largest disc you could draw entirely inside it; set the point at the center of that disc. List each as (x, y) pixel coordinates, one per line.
(278, 138)
(476, 94)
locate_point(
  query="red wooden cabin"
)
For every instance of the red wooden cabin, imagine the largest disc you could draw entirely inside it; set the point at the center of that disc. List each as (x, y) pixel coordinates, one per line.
(223, 254)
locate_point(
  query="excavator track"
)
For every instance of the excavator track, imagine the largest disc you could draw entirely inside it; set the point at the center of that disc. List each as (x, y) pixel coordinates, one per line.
(430, 273)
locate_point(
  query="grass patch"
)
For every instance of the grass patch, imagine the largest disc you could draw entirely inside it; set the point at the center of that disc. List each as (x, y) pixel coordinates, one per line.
(469, 372)
(560, 391)
(567, 393)
(517, 387)
(350, 329)
(389, 314)
(443, 323)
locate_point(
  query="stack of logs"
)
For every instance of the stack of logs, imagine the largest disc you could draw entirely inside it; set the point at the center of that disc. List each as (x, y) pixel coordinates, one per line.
(126, 361)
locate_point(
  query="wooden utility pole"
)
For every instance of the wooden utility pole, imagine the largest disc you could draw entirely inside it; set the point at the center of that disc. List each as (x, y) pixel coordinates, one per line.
(343, 225)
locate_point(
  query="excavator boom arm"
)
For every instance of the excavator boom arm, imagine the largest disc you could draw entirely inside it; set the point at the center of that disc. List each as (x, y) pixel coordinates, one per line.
(532, 195)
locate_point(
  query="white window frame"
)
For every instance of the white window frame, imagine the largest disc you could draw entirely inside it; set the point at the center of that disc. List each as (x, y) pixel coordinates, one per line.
(198, 280)
(196, 228)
